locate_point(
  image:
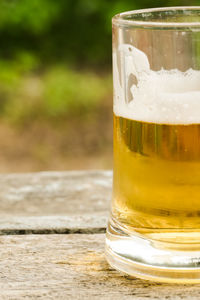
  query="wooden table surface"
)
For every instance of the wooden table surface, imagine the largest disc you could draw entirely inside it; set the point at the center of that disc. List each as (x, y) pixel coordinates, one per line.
(52, 227)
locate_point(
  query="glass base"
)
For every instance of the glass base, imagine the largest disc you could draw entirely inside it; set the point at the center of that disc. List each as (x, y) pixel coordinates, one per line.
(146, 259)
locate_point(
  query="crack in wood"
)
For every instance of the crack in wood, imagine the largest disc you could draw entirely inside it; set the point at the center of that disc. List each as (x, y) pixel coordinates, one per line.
(53, 231)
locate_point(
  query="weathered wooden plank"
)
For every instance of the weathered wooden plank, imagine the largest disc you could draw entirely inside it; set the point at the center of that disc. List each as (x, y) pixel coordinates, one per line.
(67, 201)
(72, 267)
(55, 193)
(95, 223)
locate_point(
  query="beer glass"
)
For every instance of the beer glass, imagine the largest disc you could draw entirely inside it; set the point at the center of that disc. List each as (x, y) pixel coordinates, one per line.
(154, 227)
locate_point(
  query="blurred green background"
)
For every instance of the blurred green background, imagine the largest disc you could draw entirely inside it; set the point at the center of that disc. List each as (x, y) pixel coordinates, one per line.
(56, 84)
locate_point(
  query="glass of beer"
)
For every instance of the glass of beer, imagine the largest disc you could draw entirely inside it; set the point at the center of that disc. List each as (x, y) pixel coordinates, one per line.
(154, 226)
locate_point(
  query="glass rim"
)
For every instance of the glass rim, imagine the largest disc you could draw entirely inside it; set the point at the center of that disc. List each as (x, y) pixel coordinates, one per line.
(119, 19)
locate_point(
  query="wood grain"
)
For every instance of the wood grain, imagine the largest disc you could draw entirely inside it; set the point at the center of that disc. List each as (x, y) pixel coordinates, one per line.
(72, 267)
(55, 202)
(55, 193)
(39, 264)
(91, 223)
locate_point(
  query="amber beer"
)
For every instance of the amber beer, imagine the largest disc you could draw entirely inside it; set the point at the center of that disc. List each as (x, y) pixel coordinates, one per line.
(156, 189)
(153, 230)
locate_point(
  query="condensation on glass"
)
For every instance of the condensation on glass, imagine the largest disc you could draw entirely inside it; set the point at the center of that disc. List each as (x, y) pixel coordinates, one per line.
(154, 226)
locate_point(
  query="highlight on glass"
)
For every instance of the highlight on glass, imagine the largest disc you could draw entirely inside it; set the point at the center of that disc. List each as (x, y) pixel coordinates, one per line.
(154, 225)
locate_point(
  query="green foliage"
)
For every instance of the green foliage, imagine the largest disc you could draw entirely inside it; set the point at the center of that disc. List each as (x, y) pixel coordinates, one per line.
(67, 91)
(58, 93)
(78, 31)
(12, 73)
(39, 37)
(33, 16)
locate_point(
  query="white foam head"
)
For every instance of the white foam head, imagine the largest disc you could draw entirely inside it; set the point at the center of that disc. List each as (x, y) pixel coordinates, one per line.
(166, 97)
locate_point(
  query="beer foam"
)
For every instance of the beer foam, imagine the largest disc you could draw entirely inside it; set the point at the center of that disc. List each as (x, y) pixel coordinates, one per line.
(165, 96)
